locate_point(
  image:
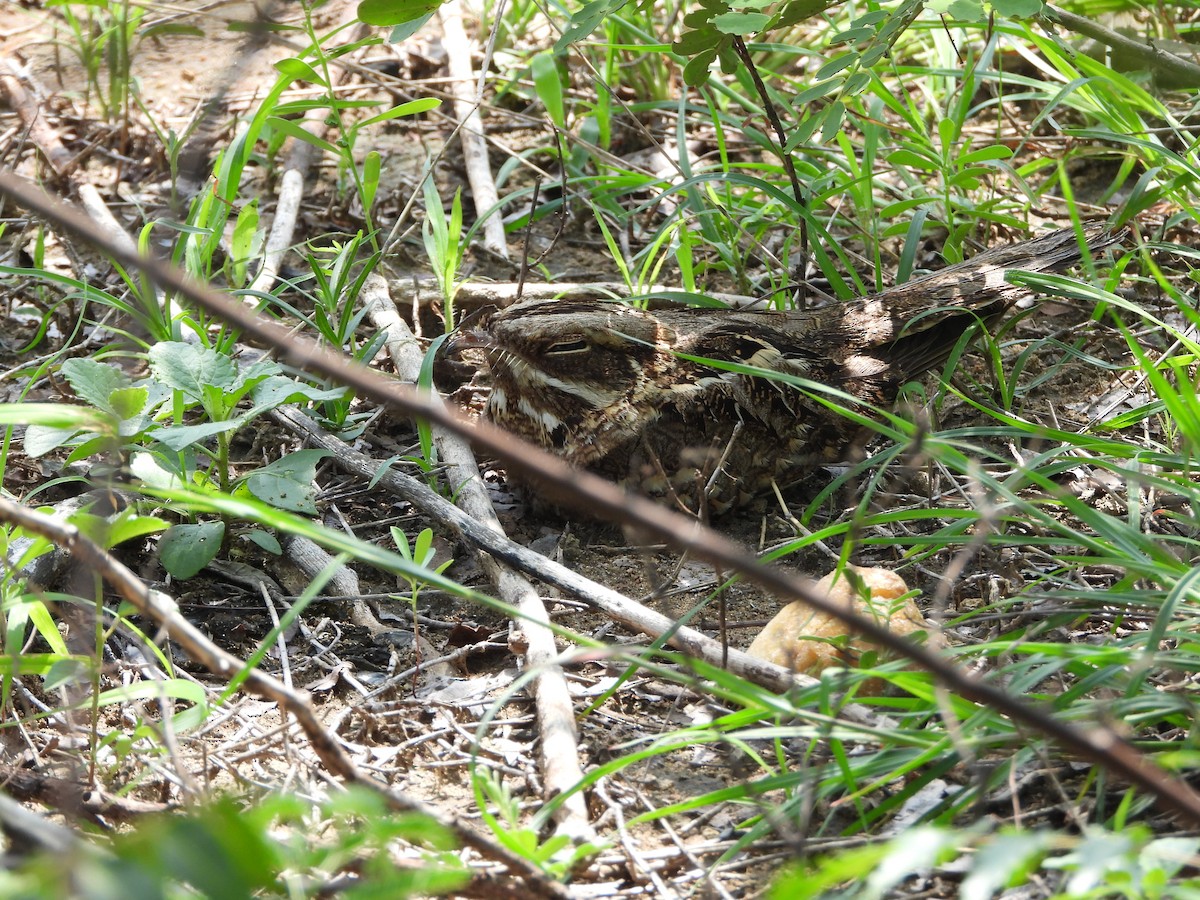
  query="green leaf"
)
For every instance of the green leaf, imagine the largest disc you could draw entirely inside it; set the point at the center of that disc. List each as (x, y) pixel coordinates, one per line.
(395, 12)
(127, 403)
(46, 626)
(984, 154)
(186, 549)
(94, 382)
(1002, 862)
(278, 389)
(833, 120)
(175, 688)
(42, 664)
(178, 437)
(148, 469)
(1018, 9)
(372, 165)
(247, 238)
(695, 72)
(64, 672)
(405, 30)
(909, 159)
(129, 525)
(963, 10)
(855, 83)
(40, 440)
(300, 133)
(794, 13)
(265, 540)
(585, 20)
(548, 84)
(299, 70)
(411, 108)
(837, 64)
(694, 42)
(739, 23)
(54, 415)
(287, 482)
(191, 369)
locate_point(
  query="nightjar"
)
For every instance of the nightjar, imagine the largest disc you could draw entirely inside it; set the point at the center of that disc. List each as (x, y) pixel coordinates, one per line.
(707, 407)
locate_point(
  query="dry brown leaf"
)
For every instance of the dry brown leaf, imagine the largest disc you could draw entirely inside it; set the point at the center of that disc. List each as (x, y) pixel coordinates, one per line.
(808, 641)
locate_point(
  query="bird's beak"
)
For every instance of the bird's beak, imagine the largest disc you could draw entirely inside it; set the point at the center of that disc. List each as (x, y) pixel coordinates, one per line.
(471, 332)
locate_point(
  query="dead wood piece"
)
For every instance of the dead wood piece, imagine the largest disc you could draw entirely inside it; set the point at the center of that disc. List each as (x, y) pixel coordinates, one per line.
(32, 116)
(312, 560)
(73, 798)
(561, 770)
(466, 108)
(477, 294)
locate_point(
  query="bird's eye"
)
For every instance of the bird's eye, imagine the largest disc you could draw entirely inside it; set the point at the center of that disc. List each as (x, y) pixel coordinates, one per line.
(577, 346)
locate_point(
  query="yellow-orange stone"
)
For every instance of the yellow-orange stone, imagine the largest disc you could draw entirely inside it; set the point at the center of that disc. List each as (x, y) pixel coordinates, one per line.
(804, 640)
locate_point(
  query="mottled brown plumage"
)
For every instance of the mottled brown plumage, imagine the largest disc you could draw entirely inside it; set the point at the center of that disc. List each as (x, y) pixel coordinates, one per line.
(625, 392)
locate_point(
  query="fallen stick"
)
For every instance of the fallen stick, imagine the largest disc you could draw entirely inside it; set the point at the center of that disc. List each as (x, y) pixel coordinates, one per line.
(470, 133)
(476, 294)
(561, 769)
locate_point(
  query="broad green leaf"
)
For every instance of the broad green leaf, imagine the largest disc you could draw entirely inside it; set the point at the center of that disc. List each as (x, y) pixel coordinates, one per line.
(278, 389)
(94, 382)
(694, 42)
(585, 20)
(191, 369)
(696, 71)
(128, 403)
(129, 525)
(247, 238)
(395, 12)
(186, 549)
(65, 672)
(740, 23)
(1017, 9)
(405, 30)
(177, 437)
(40, 440)
(287, 482)
(265, 540)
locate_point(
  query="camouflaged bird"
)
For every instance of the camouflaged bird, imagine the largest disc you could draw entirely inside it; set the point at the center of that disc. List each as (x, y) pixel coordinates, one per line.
(681, 403)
